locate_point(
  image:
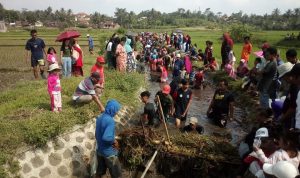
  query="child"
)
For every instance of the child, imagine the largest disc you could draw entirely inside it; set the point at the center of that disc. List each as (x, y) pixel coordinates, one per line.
(149, 109)
(99, 68)
(213, 65)
(288, 151)
(199, 78)
(242, 70)
(192, 75)
(208, 51)
(229, 69)
(164, 73)
(54, 88)
(182, 72)
(51, 56)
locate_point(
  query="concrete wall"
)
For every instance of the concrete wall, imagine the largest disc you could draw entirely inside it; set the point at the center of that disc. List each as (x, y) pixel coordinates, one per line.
(69, 154)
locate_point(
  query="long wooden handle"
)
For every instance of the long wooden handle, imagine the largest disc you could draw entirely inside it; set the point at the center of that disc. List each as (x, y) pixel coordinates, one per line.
(163, 118)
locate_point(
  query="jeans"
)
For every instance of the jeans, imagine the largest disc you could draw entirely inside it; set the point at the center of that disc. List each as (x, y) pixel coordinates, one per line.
(264, 99)
(67, 66)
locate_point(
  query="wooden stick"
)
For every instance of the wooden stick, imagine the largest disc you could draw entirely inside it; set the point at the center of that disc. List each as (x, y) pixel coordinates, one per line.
(149, 164)
(163, 118)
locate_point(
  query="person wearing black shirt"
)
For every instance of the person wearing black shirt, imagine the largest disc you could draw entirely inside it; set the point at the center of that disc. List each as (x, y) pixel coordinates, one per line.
(149, 109)
(221, 105)
(182, 99)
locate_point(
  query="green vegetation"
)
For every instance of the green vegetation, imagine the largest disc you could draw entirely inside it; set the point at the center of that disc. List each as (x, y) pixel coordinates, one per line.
(25, 113)
(24, 108)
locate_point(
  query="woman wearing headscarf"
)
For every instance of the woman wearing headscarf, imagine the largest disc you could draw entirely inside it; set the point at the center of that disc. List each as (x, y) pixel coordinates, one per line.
(227, 46)
(130, 56)
(121, 56)
(77, 56)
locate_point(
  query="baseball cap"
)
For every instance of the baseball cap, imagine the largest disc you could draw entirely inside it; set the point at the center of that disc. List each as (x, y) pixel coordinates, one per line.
(166, 89)
(100, 59)
(282, 169)
(295, 70)
(262, 132)
(95, 75)
(284, 68)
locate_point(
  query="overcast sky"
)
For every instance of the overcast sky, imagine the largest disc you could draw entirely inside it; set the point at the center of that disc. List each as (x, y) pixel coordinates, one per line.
(108, 6)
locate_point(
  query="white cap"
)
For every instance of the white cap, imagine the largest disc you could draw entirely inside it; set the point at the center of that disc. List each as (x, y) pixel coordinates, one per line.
(88, 35)
(282, 169)
(178, 55)
(193, 120)
(284, 68)
(262, 132)
(243, 60)
(53, 67)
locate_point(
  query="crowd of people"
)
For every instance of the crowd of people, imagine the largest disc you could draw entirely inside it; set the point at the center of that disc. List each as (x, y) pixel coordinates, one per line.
(274, 137)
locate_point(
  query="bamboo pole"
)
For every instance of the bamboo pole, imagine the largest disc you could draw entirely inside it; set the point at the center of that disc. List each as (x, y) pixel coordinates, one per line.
(163, 118)
(149, 164)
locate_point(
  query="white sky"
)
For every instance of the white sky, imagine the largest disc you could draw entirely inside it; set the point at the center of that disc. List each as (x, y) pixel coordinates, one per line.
(108, 6)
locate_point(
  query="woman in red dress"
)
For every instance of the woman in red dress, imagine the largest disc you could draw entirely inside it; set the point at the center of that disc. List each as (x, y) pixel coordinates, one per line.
(77, 59)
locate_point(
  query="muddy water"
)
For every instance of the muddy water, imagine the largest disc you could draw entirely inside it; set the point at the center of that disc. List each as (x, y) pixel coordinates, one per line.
(200, 103)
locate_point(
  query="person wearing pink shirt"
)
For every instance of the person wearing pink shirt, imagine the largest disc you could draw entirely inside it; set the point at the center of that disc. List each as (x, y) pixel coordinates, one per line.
(54, 87)
(51, 56)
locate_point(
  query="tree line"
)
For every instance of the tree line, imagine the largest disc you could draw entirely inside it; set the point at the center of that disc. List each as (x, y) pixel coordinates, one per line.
(277, 20)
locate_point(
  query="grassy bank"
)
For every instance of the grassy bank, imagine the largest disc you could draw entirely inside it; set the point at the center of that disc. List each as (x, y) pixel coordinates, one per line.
(26, 119)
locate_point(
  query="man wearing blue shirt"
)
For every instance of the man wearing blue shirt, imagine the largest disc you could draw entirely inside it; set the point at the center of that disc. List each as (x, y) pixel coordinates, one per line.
(36, 46)
(91, 44)
(107, 150)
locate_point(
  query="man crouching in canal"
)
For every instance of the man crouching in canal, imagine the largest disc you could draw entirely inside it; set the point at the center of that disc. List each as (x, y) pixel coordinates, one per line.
(107, 150)
(221, 106)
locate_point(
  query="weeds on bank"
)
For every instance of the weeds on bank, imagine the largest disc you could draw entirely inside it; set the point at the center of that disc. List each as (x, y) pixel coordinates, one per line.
(26, 117)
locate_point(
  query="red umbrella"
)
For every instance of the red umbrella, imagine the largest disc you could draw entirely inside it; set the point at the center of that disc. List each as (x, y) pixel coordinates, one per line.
(67, 35)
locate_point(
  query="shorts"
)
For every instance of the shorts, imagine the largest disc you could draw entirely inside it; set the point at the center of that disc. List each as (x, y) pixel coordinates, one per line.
(178, 114)
(37, 62)
(111, 163)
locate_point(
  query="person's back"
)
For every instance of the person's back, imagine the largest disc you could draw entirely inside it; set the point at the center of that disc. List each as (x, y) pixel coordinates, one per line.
(105, 129)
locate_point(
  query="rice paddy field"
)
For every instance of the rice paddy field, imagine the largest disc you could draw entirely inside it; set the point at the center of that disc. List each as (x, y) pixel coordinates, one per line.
(25, 118)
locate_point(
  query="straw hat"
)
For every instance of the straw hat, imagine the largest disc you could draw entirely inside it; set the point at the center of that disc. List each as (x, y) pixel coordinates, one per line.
(54, 67)
(193, 120)
(284, 68)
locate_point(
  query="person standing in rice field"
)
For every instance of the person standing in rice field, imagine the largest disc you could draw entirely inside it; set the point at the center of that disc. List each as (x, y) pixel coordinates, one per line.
(36, 46)
(121, 56)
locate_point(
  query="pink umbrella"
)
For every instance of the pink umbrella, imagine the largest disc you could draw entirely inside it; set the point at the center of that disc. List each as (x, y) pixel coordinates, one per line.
(67, 35)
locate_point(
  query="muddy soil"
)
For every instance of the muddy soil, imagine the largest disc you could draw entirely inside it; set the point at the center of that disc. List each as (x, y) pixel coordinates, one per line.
(9, 79)
(200, 102)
